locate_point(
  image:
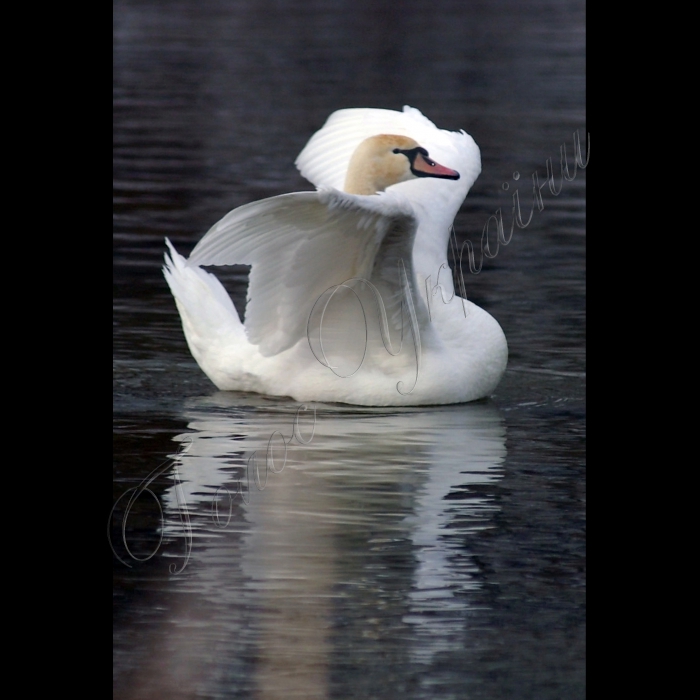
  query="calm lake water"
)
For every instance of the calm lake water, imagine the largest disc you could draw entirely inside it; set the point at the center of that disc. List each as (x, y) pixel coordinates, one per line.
(417, 553)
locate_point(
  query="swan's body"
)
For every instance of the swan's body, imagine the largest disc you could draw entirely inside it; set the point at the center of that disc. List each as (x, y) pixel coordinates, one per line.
(380, 223)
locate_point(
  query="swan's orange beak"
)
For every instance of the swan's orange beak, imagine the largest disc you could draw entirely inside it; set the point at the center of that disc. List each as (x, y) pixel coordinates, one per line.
(426, 167)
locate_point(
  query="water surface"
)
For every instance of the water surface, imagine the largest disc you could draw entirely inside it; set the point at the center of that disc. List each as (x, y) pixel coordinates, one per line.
(416, 553)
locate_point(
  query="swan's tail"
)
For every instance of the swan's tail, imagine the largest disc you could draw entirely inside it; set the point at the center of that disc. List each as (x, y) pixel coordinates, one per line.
(209, 318)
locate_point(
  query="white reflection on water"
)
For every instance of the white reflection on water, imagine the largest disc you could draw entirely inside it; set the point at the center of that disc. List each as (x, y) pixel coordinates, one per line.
(352, 544)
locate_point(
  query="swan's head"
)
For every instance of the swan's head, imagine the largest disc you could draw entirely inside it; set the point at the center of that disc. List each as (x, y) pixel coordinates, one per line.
(386, 159)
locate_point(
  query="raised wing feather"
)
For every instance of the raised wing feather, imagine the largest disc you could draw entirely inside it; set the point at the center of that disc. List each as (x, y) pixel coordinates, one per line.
(299, 245)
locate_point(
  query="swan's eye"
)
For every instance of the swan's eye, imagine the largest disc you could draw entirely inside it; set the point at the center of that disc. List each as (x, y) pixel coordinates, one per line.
(396, 150)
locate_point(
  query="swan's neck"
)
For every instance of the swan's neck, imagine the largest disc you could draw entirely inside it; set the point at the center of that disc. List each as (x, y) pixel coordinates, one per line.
(370, 179)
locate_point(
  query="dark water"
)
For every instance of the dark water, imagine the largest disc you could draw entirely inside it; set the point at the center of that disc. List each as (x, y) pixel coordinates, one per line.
(415, 553)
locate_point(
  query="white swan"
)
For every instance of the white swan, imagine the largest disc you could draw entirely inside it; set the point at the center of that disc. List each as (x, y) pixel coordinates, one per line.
(325, 264)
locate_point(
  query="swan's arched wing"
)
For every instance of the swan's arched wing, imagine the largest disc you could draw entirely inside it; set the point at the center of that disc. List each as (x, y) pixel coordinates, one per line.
(299, 245)
(325, 158)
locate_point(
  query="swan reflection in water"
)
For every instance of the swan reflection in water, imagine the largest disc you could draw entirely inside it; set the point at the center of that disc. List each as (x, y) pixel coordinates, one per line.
(350, 553)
